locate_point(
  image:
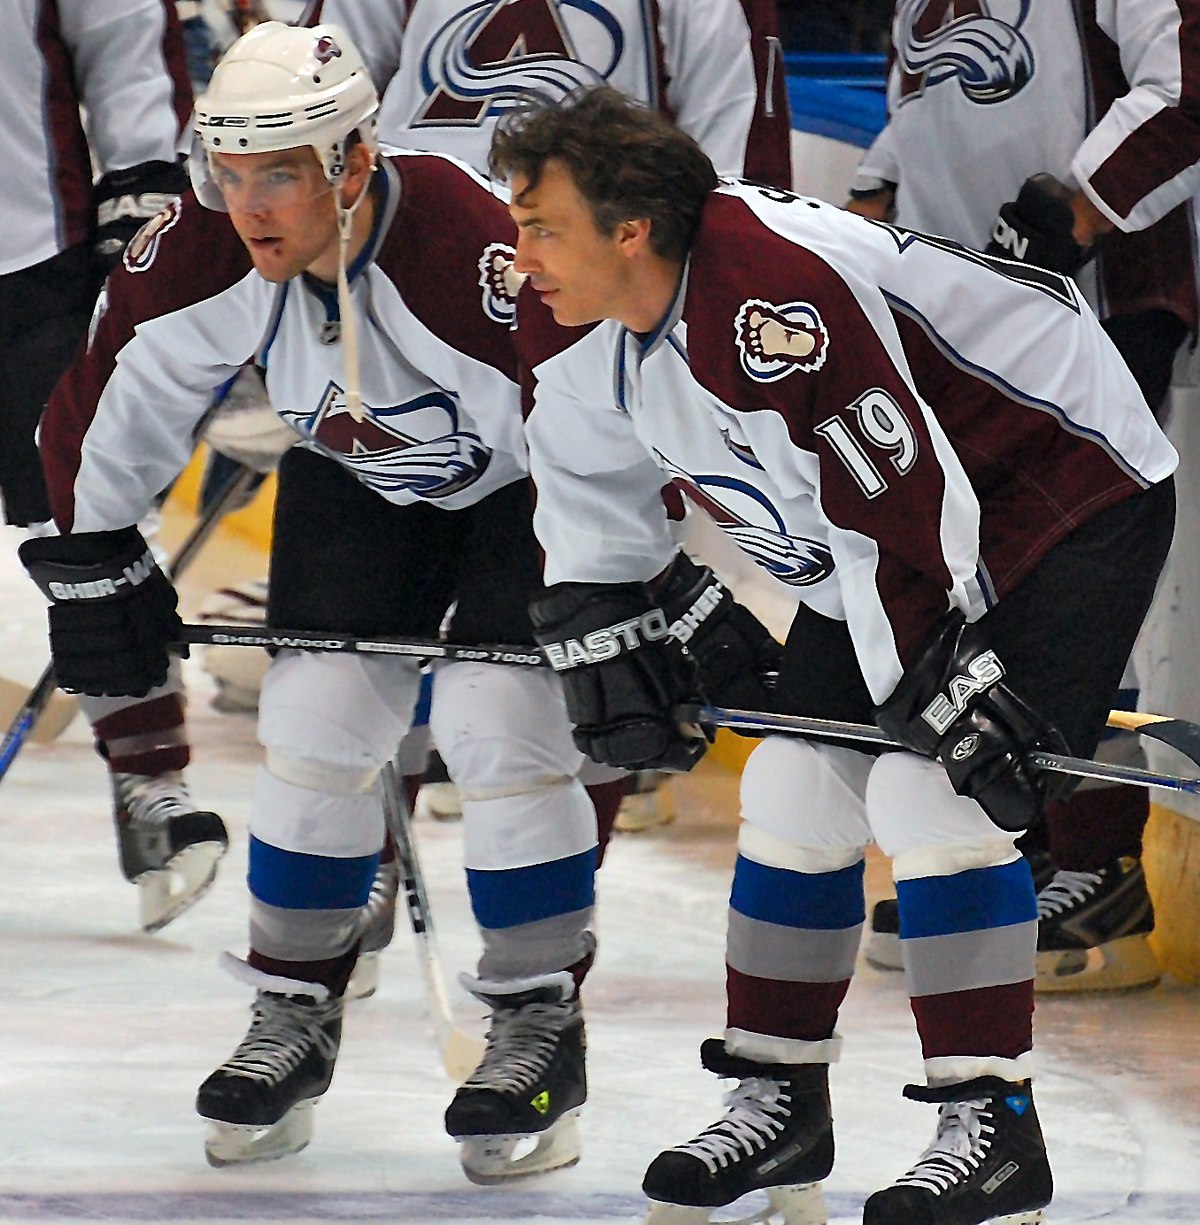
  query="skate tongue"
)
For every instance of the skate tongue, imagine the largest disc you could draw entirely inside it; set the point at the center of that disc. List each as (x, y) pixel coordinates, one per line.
(554, 988)
(716, 1059)
(965, 1090)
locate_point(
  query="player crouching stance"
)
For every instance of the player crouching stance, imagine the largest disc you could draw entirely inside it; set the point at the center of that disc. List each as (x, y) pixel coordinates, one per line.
(372, 292)
(952, 464)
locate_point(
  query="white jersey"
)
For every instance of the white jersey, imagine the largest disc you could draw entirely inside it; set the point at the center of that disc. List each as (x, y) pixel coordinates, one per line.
(439, 377)
(115, 59)
(840, 398)
(982, 96)
(449, 69)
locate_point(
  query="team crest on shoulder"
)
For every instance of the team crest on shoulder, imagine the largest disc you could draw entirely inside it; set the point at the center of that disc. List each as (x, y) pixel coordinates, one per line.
(775, 341)
(500, 282)
(143, 246)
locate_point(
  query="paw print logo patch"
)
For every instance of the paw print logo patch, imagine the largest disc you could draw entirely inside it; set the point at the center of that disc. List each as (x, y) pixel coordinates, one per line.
(500, 282)
(775, 341)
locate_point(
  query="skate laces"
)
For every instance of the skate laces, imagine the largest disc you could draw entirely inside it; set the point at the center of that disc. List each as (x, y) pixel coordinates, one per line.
(1065, 890)
(520, 1044)
(153, 802)
(281, 1033)
(964, 1136)
(755, 1114)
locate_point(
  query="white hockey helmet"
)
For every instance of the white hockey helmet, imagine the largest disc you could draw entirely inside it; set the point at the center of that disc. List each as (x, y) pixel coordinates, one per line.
(282, 87)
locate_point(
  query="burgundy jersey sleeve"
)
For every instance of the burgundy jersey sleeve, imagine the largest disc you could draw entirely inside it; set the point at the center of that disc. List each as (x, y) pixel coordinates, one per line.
(449, 249)
(181, 260)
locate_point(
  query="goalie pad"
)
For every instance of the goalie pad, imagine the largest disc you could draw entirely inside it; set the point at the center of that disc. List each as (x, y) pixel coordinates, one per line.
(237, 671)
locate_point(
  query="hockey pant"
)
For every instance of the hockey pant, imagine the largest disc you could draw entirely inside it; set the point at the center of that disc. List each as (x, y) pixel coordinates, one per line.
(328, 723)
(968, 916)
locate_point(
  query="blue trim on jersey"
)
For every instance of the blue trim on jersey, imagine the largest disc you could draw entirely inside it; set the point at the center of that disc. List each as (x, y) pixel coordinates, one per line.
(980, 899)
(514, 896)
(262, 358)
(814, 901)
(292, 880)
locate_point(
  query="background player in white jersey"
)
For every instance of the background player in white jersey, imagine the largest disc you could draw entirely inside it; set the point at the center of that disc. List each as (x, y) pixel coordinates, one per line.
(1066, 137)
(123, 63)
(976, 516)
(378, 298)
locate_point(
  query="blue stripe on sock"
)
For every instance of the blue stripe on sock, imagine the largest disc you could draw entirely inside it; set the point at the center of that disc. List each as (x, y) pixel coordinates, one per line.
(292, 880)
(816, 901)
(526, 895)
(976, 900)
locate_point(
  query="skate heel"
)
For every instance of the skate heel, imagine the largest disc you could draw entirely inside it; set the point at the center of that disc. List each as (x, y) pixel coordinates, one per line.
(792, 1205)
(242, 1144)
(489, 1160)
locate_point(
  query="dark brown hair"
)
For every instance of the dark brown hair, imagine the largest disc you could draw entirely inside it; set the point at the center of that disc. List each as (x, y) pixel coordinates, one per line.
(628, 162)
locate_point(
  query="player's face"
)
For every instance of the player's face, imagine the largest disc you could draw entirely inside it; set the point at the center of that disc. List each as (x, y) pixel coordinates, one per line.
(580, 272)
(282, 207)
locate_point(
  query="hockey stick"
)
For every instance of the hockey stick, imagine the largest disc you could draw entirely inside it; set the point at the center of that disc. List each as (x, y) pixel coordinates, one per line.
(1178, 733)
(411, 648)
(461, 1052)
(838, 732)
(43, 692)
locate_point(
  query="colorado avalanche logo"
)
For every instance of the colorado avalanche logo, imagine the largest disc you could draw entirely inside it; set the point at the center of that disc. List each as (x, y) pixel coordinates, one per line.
(326, 50)
(976, 43)
(416, 446)
(143, 246)
(500, 282)
(493, 53)
(775, 341)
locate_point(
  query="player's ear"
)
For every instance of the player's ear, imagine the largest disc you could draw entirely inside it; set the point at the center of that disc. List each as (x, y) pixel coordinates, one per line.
(633, 237)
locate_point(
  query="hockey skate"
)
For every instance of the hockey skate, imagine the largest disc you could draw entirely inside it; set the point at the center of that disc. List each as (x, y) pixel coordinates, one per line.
(776, 1137)
(377, 925)
(987, 1161)
(1092, 931)
(259, 1102)
(649, 804)
(529, 1086)
(168, 848)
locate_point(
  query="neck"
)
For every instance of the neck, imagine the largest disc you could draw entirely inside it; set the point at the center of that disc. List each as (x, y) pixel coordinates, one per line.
(651, 292)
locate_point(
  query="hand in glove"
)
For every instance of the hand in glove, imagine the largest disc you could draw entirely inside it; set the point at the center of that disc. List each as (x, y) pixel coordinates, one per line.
(112, 614)
(1037, 228)
(953, 705)
(126, 200)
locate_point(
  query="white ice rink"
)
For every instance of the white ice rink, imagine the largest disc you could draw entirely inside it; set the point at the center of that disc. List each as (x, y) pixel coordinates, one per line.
(108, 1032)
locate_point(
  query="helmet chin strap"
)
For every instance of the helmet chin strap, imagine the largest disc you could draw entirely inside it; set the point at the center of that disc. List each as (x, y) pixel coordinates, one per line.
(345, 220)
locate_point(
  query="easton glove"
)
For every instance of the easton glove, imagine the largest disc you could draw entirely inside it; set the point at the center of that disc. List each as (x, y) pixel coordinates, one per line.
(126, 200)
(621, 674)
(112, 613)
(1036, 228)
(737, 657)
(952, 705)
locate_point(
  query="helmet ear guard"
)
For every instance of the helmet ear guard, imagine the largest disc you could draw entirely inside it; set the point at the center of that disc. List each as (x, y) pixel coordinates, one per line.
(283, 87)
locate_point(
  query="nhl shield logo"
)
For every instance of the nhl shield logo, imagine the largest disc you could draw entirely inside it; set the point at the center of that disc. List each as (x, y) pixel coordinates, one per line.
(775, 341)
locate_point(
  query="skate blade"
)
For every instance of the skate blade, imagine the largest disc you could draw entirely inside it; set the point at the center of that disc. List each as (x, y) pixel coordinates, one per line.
(799, 1204)
(1127, 964)
(164, 894)
(1033, 1217)
(646, 811)
(237, 1144)
(488, 1160)
(365, 980)
(881, 950)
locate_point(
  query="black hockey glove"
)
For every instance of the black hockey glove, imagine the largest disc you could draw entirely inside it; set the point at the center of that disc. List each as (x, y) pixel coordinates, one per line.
(621, 673)
(112, 611)
(1036, 227)
(738, 659)
(952, 705)
(126, 199)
